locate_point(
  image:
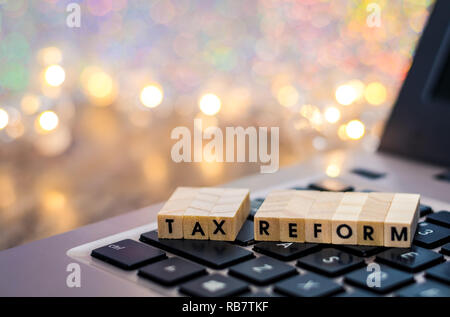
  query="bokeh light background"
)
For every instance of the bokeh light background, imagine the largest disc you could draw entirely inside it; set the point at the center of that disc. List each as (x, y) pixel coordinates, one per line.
(86, 113)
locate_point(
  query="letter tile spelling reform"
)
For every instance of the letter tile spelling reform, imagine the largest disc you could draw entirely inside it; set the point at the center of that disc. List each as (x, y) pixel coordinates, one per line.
(204, 213)
(387, 219)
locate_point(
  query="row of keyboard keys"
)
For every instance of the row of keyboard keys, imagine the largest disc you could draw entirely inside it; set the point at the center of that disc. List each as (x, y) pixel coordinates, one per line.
(308, 285)
(215, 254)
(262, 270)
(384, 281)
(431, 236)
(361, 250)
(128, 254)
(425, 210)
(414, 259)
(441, 218)
(172, 271)
(446, 249)
(285, 251)
(214, 285)
(426, 289)
(330, 262)
(440, 272)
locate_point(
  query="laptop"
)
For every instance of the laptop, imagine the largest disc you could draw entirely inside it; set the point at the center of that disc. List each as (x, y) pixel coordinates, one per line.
(414, 156)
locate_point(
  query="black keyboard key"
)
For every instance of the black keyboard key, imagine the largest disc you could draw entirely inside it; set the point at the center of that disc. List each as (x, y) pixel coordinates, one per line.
(357, 293)
(257, 294)
(440, 272)
(431, 236)
(299, 188)
(215, 254)
(413, 259)
(262, 270)
(246, 234)
(128, 254)
(368, 173)
(172, 271)
(427, 289)
(285, 251)
(441, 218)
(308, 285)
(332, 185)
(446, 249)
(330, 262)
(254, 206)
(215, 285)
(361, 250)
(444, 176)
(425, 210)
(390, 279)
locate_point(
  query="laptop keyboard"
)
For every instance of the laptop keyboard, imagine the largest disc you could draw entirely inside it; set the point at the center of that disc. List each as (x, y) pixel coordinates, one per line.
(248, 268)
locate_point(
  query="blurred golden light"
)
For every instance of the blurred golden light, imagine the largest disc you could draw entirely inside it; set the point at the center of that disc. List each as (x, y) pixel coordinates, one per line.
(358, 86)
(375, 93)
(355, 129)
(332, 114)
(346, 94)
(53, 200)
(4, 118)
(55, 143)
(48, 121)
(55, 75)
(99, 84)
(30, 104)
(151, 96)
(342, 132)
(15, 130)
(287, 96)
(211, 170)
(50, 55)
(333, 170)
(210, 104)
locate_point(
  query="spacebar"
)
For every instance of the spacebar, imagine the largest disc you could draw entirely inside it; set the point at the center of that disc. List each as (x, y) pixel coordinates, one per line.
(215, 254)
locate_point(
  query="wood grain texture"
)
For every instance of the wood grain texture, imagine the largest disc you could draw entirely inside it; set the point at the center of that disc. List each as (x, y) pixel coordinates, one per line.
(170, 217)
(292, 219)
(370, 229)
(345, 219)
(401, 220)
(229, 214)
(197, 213)
(319, 216)
(267, 218)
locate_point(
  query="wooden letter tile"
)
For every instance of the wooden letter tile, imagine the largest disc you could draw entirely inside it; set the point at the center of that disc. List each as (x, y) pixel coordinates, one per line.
(344, 222)
(170, 218)
(229, 214)
(401, 220)
(267, 218)
(292, 219)
(318, 218)
(371, 219)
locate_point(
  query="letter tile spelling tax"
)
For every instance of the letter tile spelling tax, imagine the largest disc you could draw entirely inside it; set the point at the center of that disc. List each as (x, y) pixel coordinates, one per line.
(204, 213)
(170, 217)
